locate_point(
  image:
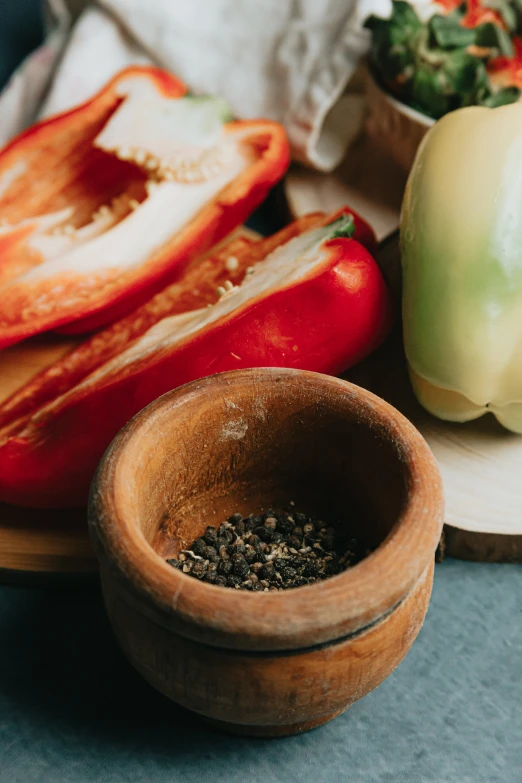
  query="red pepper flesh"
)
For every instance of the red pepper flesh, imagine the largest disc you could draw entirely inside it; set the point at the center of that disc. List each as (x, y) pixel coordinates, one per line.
(318, 302)
(104, 205)
(197, 288)
(507, 71)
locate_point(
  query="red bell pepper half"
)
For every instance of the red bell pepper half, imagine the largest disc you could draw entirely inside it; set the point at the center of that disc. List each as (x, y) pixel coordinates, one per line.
(102, 206)
(197, 288)
(317, 302)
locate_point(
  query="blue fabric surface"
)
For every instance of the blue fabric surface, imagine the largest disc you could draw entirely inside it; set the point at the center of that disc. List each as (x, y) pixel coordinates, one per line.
(72, 710)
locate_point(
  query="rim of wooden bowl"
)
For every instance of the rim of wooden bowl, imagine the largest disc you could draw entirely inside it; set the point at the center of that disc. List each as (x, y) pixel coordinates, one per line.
(303, 617)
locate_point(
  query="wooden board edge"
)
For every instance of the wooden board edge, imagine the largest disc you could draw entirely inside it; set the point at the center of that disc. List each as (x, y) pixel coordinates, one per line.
(482, 547)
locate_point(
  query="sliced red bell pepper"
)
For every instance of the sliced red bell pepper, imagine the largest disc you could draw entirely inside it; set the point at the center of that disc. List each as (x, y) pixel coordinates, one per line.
(102, 206)
(317, 302)
(197, 288)
(507, 71)
(476, 13)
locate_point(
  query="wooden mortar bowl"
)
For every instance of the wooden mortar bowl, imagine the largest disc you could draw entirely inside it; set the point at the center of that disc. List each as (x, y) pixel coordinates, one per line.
(281, 662)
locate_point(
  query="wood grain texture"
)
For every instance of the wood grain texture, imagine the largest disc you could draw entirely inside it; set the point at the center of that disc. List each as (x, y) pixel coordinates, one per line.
(36, 541)
(245, 441)
(267, 695)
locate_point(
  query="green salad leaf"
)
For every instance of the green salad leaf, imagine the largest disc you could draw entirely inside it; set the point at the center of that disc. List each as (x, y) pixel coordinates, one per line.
(439, 66)
(494, 37)
(448, 33)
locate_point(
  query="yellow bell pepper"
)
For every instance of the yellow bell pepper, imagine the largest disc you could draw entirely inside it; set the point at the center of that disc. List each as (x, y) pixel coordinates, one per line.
(461, 237)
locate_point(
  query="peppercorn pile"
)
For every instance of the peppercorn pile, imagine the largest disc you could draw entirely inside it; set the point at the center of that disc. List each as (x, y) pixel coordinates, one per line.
(275, 551)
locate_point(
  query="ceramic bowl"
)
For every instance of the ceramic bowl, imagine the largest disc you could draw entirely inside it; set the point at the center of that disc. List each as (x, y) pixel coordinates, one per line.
(396, 128)
(278, 662)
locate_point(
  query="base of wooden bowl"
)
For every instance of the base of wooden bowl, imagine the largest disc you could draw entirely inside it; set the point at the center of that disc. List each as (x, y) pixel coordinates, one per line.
(294, 681)
(274, 663)
(273, 731)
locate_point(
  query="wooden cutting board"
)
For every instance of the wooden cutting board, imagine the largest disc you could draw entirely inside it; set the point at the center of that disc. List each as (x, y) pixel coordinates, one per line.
(33, 540)
(480, 462)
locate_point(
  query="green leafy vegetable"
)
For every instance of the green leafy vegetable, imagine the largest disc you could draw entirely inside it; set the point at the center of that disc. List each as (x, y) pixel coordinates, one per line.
(448, 33)
(440, 65)
(506, 9)
(494, 37)
(502, 97)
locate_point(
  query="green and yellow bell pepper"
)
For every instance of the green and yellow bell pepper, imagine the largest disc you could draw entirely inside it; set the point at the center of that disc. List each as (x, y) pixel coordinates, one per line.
(461, 235)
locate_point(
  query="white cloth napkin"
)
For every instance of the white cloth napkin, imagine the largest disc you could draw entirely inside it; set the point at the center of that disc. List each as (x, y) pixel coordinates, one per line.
(288, 60)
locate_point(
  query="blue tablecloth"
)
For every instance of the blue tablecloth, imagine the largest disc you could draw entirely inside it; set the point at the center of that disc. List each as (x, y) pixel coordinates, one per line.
(72, 710)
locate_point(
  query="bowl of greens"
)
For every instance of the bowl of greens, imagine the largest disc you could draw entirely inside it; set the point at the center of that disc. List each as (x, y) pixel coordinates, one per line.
(428, 59)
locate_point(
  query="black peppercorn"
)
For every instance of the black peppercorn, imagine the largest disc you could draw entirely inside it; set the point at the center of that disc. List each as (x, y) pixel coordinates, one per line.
(250, 554)
(210, 535)
(199, 546)
(226, 533)
(224, 567)
(240, 567)
(267, 571)
(266, 534)
(239, 547)
(209, 553)
(311, 568)
(285, 526)
(275, 551)
(199, 568)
